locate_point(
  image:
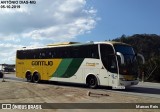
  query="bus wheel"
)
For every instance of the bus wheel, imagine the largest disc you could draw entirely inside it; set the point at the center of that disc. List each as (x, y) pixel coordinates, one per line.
(28, 77)
(36, 77)
(92, 81)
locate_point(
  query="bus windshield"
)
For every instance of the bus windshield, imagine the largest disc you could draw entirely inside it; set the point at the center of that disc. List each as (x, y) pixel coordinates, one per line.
(130, 66)
(124, 49)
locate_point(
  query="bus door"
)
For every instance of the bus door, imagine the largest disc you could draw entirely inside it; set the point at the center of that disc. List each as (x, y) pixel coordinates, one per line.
(108, 59)
(112, 70)
(104, 77)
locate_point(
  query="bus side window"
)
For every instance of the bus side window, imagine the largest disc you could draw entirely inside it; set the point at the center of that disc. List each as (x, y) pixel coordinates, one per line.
(87, 51)
(64, 52)
(24, 55)
(75, 53)
(20, 54)
(49, 54)
(40, 55)
(43, 55)
(53, 53)
(94, 51)
(36, 54)
(30, 54)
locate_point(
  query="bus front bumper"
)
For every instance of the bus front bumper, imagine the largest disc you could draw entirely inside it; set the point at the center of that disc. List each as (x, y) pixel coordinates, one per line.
(128, 83)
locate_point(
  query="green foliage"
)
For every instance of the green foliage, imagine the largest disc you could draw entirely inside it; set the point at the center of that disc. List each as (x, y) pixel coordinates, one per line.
(149, 46)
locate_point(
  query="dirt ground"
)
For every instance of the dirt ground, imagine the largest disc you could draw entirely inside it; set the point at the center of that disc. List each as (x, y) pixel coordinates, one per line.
(25, 92)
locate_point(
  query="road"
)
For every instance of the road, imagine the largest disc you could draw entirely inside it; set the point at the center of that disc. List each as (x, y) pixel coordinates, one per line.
(142, 89)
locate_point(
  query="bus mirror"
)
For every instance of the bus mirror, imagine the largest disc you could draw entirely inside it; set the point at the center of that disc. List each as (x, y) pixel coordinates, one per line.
(121, 56)
(142, 57)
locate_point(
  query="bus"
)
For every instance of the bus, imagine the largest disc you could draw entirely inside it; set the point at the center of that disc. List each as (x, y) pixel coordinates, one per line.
(94, 64)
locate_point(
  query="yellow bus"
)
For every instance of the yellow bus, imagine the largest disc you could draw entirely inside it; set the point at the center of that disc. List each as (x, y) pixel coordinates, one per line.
(94, 64)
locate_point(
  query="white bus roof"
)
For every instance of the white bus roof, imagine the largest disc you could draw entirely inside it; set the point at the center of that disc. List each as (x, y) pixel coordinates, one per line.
(63, 44)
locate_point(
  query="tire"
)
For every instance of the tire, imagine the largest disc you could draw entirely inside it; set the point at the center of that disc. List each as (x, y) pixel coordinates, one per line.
(36, 78)
(29, 77)
(92, 82)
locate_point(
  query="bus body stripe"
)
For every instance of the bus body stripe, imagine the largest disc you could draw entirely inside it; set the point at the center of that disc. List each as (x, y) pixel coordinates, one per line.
(67, 68)
(56, 64)
(73, 68)
(63, 66)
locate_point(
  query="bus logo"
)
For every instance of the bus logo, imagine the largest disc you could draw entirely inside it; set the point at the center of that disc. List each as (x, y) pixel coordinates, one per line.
(42, 63)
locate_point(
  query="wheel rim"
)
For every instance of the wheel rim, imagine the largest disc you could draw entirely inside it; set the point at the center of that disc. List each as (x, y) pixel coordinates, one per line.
(92, 82)
(36, 78)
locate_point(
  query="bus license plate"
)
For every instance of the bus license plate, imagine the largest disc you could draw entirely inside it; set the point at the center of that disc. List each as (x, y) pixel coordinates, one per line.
(118, 87)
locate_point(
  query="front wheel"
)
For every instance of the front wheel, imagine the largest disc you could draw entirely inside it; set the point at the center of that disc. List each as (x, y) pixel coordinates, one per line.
(92, 82)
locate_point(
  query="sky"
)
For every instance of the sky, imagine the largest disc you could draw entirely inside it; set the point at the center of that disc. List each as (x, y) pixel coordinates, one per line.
(50, 21)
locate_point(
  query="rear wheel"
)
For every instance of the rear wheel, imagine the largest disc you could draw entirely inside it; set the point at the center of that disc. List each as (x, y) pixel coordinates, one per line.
(28, 77)
(92, 81)
(36, 77)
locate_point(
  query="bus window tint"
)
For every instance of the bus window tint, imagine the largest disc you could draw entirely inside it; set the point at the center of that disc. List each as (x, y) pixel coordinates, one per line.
(124, 49)
(85, 51)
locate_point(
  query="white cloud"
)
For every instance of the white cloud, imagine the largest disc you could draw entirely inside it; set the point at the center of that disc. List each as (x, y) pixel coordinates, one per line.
(64, 31)
(45, 21)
